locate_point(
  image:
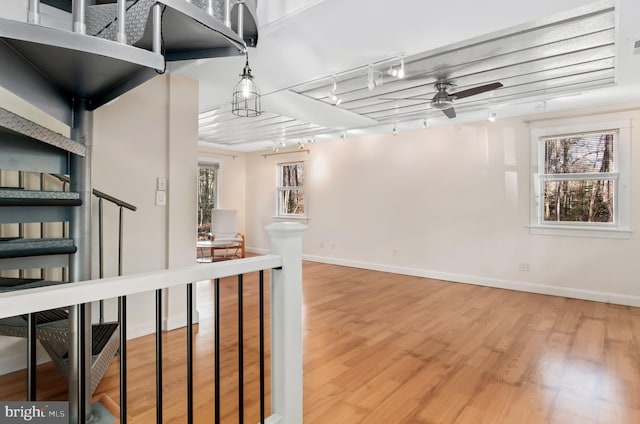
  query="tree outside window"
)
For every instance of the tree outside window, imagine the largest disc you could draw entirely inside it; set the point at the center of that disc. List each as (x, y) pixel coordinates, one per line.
(579, 180)
(291, 199)
(207, 198)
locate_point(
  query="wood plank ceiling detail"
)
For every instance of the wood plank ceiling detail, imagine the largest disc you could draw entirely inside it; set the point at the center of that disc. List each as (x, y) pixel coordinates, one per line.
(548, 59)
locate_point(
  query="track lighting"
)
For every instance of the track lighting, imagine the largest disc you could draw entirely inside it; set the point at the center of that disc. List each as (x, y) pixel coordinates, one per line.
(246, 96)
(371, 84)
(312, 140)
(300, 145)
(491, 117)
(374, 78)
(343, 135)
(400, 73)
(283, 143)
(394, 130)
(425, 123)
(332, 95)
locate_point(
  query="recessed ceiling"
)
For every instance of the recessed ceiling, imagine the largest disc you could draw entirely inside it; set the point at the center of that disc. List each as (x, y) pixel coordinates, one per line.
(566, 54)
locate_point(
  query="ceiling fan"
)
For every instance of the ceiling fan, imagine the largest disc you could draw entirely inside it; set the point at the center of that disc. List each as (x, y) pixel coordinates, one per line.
(443, 100)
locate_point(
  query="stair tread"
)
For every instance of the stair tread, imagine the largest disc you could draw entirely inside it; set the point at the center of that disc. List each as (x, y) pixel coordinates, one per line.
(189, 31)
(15, 124)
(46, 317)
(100, 336)
(9, 197)
(36, 247)
(26, 283)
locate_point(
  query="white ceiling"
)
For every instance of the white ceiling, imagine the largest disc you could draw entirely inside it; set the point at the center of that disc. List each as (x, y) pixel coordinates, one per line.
(303, 43)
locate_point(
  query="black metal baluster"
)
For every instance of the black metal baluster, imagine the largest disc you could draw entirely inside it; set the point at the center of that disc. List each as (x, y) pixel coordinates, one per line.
(31, 357)
(101, 253)
(240, 354)
(190, 353)
(82, 362)
(42, 270)
(216, 301)
(122, 318)
(159, 356)
(261, 300)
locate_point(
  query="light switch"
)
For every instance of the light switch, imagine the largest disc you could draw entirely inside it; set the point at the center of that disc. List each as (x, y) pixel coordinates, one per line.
(161, 198)
(162, 184)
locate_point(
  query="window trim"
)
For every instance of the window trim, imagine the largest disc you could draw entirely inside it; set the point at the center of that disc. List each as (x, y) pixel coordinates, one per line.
(621, 225)
(285, 216)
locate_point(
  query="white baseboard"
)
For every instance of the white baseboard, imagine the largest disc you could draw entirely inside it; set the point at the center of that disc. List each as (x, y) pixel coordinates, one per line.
(257, 250)
(598, 296)
(14, 358)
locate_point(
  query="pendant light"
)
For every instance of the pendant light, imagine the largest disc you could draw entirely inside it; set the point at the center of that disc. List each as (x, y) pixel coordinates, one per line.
(246, 96)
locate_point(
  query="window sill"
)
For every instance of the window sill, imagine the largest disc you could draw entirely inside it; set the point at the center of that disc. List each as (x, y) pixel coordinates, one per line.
(291, 218)
(563, 230)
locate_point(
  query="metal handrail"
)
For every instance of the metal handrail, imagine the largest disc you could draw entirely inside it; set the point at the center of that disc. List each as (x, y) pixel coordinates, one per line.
(101, 195)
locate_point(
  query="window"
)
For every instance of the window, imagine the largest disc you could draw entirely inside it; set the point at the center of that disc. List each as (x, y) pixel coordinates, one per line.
(580, 182)
(207, 197)
(291, 190)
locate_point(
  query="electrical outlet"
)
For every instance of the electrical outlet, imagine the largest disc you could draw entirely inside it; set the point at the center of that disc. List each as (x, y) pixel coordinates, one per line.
(524, 267)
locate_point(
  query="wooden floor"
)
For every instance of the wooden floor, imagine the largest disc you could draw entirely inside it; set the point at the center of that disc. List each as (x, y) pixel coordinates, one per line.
(384, 348)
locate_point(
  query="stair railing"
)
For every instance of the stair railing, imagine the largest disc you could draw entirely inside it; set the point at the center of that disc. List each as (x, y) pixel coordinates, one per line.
(101, 196)
(285, 264)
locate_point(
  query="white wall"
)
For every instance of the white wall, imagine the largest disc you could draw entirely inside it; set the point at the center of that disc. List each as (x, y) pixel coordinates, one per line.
(146, 134)
(452, 203)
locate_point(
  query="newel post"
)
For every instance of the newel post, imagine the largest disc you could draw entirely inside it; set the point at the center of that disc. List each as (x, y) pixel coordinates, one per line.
(286, 323)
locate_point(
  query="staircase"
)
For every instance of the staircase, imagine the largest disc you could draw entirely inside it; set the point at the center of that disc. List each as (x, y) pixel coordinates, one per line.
(109, 48)
(27, 260)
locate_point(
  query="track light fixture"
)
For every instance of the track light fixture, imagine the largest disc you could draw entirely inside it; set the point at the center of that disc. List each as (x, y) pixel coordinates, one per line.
(374, 78)
(400, 74)
(246, 96)
(300, 145)
(491, 117)
(425, 123)
(343, 135)
(332, 95)
(397, 72)
(394, 130)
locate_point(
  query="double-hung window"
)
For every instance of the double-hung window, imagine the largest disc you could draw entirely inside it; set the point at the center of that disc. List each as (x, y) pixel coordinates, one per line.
(291, 198)
(580, 182)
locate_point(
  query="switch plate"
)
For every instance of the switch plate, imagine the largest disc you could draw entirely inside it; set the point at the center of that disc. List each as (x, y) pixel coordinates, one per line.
(161, 184)
(161, 198)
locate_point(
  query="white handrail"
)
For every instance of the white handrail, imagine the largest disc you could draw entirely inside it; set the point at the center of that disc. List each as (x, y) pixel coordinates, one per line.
(62, 295)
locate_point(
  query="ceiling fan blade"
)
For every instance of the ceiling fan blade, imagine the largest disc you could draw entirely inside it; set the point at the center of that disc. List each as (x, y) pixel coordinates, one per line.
(477, 90)
(405, 98)
(451, 112)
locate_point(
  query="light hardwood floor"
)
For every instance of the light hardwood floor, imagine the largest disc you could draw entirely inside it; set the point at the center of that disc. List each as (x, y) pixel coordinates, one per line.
(384, 348)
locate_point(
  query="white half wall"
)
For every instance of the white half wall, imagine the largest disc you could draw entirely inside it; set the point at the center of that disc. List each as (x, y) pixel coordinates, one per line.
(450, 203)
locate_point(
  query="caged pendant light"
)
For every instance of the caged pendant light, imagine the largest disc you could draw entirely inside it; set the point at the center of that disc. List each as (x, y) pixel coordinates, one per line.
(246, 96)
